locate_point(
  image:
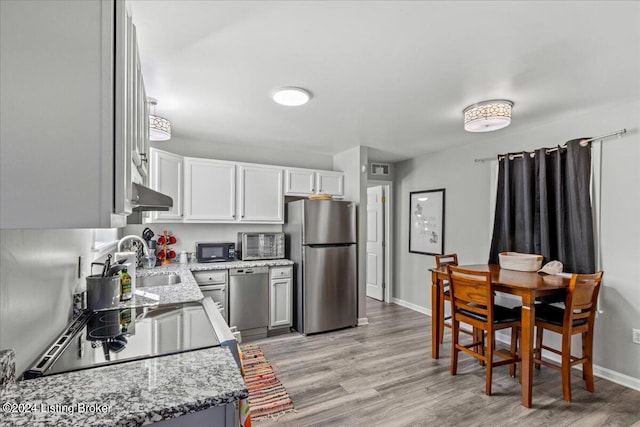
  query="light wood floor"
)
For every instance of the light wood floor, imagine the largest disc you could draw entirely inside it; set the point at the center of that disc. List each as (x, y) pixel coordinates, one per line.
(382, 374)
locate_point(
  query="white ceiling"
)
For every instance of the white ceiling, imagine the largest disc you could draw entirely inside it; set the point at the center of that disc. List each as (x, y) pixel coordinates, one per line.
(391, 75)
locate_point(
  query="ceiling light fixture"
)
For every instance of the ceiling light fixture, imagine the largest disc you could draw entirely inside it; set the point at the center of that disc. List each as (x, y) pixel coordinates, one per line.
(486, 116)
(291, 96)
(159, 127)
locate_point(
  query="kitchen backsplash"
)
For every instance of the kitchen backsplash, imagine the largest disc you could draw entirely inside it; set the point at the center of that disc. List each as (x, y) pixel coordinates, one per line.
(188, 234)
(38, 276)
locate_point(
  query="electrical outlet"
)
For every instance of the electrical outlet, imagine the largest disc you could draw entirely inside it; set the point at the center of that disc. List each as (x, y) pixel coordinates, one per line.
(636, 336)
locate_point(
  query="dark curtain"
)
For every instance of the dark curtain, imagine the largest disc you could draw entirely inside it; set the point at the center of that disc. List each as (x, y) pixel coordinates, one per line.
(543, 206)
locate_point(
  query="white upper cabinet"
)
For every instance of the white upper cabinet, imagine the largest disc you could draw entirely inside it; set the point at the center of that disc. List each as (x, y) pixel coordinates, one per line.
(65, 147)
(210, 190)
(330, 183)
(166, 177)
(261, 198)
(304, 182)
(299, 182)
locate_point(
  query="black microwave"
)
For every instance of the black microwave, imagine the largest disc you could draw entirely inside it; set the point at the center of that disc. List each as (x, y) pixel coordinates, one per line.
(215, 252)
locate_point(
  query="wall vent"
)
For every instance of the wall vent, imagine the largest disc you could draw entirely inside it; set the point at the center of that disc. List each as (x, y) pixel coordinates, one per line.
(380, 169)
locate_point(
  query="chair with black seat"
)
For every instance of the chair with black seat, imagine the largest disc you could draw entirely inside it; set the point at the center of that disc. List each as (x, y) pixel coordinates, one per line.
(576, 317)
(445, 295)
(472, 302)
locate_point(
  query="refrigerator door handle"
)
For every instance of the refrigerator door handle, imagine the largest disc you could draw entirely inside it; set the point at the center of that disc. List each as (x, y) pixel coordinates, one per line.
(330, 245)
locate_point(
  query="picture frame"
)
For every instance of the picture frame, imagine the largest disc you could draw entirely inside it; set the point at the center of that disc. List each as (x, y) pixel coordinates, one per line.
(426, 222)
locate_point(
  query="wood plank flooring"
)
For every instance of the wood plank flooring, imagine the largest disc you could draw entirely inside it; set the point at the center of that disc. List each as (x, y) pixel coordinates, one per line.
(382, 374)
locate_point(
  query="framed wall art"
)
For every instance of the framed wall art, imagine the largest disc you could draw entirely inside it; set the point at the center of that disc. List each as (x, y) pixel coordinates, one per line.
(426, 222)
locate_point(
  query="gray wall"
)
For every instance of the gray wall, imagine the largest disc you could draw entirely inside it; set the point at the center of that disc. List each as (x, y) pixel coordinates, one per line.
(237, 153)
(468, 219)
(38, 276)
(355, 189)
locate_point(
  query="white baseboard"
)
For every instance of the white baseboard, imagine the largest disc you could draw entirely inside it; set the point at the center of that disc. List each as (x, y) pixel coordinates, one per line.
(616, 377)
(412, 306)
(363, 321)
(598, 371)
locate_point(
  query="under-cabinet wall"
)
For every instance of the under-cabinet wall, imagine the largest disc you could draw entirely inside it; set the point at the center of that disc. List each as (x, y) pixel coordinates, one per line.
(38, 277)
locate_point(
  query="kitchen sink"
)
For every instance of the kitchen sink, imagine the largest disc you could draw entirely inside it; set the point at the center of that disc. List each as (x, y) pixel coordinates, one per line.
(160, 280)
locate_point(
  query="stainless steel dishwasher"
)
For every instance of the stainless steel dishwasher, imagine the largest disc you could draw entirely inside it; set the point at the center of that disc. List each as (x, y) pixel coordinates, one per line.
(249, 301)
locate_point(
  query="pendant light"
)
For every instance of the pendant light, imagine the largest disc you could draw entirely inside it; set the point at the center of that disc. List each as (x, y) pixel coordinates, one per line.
(159, 127)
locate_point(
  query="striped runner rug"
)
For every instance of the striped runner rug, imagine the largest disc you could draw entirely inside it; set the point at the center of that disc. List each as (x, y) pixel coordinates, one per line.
(267, 396)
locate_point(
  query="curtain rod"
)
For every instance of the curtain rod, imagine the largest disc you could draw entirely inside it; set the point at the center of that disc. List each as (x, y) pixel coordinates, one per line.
(617, 133)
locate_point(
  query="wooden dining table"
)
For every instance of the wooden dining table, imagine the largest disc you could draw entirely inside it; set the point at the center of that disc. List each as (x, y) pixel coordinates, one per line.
(528, 286)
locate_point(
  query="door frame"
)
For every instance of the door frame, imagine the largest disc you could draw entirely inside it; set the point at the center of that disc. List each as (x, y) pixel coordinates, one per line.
(388, 239)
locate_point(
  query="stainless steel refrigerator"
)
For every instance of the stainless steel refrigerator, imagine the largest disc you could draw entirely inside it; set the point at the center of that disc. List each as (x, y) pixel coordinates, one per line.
(321, 240)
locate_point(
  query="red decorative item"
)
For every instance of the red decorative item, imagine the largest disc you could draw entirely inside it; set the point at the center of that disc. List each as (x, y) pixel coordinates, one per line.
(165, 254)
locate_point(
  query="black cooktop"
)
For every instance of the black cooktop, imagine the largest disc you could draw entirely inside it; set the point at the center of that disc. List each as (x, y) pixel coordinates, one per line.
(114, 336)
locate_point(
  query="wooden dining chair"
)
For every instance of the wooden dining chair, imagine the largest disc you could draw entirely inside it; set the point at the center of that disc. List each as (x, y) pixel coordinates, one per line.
(576, 317)
(472, 302)
(445, 295)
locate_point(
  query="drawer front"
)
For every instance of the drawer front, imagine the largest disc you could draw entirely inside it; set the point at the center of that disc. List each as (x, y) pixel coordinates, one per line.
(280, 272)
(210, 277)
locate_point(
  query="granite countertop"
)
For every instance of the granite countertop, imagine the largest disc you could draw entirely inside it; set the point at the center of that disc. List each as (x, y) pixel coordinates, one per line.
(187, 290)
(127, 394)
(132, 393)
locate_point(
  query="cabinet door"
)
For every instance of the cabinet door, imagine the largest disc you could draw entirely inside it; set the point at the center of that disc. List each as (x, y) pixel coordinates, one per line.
(140, 108)
(261, 196)
(330, 183)
(299, 182)
(210, 191)
(167, 333)
(280, 303)
(166, 177)
(61, 130)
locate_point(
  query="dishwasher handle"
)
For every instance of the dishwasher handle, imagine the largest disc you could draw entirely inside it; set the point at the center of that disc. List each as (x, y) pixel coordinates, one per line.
(248, 271)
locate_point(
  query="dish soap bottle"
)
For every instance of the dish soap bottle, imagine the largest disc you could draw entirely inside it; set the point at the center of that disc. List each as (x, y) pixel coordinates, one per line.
(125, 286)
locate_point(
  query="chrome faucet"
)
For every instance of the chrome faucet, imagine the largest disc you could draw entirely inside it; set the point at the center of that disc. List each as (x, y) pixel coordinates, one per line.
(145, 248)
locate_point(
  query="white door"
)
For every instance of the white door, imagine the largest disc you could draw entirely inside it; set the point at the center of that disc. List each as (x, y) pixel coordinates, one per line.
(375, 242)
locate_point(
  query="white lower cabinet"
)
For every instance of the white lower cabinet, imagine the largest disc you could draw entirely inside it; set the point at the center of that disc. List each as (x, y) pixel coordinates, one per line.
(261, 198)
(280, 297)
(210, 190)
(166, 177)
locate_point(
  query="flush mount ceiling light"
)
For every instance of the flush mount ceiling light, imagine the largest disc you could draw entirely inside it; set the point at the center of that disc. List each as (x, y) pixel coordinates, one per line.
(487, 115)
(159, 127)
(291, 96)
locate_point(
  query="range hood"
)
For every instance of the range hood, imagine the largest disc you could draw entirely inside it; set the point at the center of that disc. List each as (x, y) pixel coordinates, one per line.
(146, 199)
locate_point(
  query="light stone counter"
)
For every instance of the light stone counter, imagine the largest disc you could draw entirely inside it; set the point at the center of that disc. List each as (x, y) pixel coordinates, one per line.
(127, 394)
